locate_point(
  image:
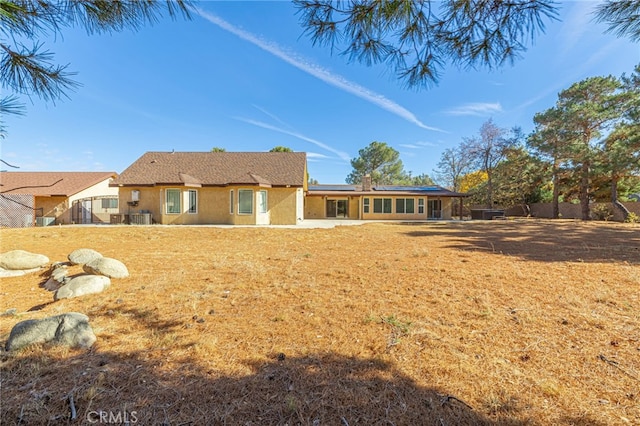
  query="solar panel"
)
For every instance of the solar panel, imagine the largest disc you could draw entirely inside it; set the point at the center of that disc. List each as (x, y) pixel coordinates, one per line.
(332, 188)
(407, 188)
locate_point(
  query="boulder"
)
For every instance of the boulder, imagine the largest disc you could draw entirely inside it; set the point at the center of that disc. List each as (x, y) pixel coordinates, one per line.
(20, 259)
(83, 256)
(108, 267)
(6, 273)
(82, 285)
(70, 329)
(58, 276)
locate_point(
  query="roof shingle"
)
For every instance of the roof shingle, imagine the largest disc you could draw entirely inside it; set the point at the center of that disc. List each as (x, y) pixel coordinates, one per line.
(50, 183)
(215, 169)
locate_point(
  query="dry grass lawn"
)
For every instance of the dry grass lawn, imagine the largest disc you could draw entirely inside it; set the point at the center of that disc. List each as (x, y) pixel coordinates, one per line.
(505, 322)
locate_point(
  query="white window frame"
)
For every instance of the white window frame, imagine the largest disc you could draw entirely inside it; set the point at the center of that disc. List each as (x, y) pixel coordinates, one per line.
(420, 205)
(240, 196)
(231, 201)
(366, 206)
(189, 207)
(179, 199)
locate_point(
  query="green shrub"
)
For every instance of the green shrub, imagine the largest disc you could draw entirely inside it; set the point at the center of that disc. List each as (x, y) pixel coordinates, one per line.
(632, 218)
(602, 212)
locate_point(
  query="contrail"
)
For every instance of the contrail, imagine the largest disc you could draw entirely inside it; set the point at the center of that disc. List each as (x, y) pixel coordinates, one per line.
(318, 72)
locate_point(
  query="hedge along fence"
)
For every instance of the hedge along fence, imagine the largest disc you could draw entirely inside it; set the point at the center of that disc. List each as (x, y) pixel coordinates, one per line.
(605, 211)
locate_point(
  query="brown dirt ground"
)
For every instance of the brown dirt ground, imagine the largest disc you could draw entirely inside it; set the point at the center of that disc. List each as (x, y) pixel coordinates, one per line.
(508, 322)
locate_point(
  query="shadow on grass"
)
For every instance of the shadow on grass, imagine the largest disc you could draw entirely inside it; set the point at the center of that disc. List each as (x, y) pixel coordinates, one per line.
(320, 389)
(548, 241)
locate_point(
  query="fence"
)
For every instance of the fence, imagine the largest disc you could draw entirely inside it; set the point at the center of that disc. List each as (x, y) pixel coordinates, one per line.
(18, 211)
(573, 211)
(94, 209)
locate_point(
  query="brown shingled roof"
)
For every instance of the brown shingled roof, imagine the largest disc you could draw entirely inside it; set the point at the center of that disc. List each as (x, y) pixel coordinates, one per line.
(42, 184)
(216, 169)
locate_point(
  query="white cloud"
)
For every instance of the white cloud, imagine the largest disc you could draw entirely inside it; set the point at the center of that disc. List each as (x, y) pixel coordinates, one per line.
(424, 143)
(478, 109)
(417, 145)
(577, 22)
(317, 71)
(341, 154)
(270, 115)
(316, 155)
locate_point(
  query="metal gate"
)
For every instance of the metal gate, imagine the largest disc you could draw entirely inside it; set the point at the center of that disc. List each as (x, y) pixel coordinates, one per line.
(94, 209)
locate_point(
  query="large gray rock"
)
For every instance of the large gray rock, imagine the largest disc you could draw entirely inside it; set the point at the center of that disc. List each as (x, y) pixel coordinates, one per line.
(6, 273)
(108, 267)
(20, 259)
(70, 329)
(82, 285)
(83, 256)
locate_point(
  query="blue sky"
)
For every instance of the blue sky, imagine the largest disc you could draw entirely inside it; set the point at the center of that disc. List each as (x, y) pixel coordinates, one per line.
(241, 76)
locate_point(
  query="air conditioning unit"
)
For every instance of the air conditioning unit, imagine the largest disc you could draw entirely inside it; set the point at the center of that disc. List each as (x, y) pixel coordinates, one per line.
(45, 221)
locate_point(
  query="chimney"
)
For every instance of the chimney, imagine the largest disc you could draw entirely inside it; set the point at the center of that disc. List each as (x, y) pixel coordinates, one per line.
(366, 182)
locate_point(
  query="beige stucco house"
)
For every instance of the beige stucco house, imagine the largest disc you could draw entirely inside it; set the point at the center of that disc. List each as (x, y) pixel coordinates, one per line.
(236, 188)
(379, 202)
(46, 198)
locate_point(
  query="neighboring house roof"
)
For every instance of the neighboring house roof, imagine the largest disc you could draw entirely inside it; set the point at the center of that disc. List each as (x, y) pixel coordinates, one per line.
(49, 184)
(338, 190)
(216, 169)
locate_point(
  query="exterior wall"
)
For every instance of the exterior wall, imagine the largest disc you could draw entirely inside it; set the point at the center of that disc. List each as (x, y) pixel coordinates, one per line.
(213, 205)
(282, 204)
(393, 215)
(447, 208)
(97, 212)
(97, 190)
(57, 207)
(314, 207)
(60, 207)
(355, 205)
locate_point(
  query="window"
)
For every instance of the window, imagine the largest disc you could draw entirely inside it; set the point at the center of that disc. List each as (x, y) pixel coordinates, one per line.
(245, 201)
(405, 205)
(262, 201)
(365, 205)
(231, 202)
(193, 201)
(377, 205)
(420, 205)
(109, 203)
(386, 208)
(382, 205)
(173, 201)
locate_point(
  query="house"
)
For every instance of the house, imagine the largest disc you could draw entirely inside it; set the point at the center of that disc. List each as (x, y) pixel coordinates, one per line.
(45, 198)
(379, 202)
(237, 188)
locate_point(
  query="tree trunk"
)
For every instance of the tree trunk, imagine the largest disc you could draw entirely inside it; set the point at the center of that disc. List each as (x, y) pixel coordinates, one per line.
(556, 194)
(614, 199)
(584, 191)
